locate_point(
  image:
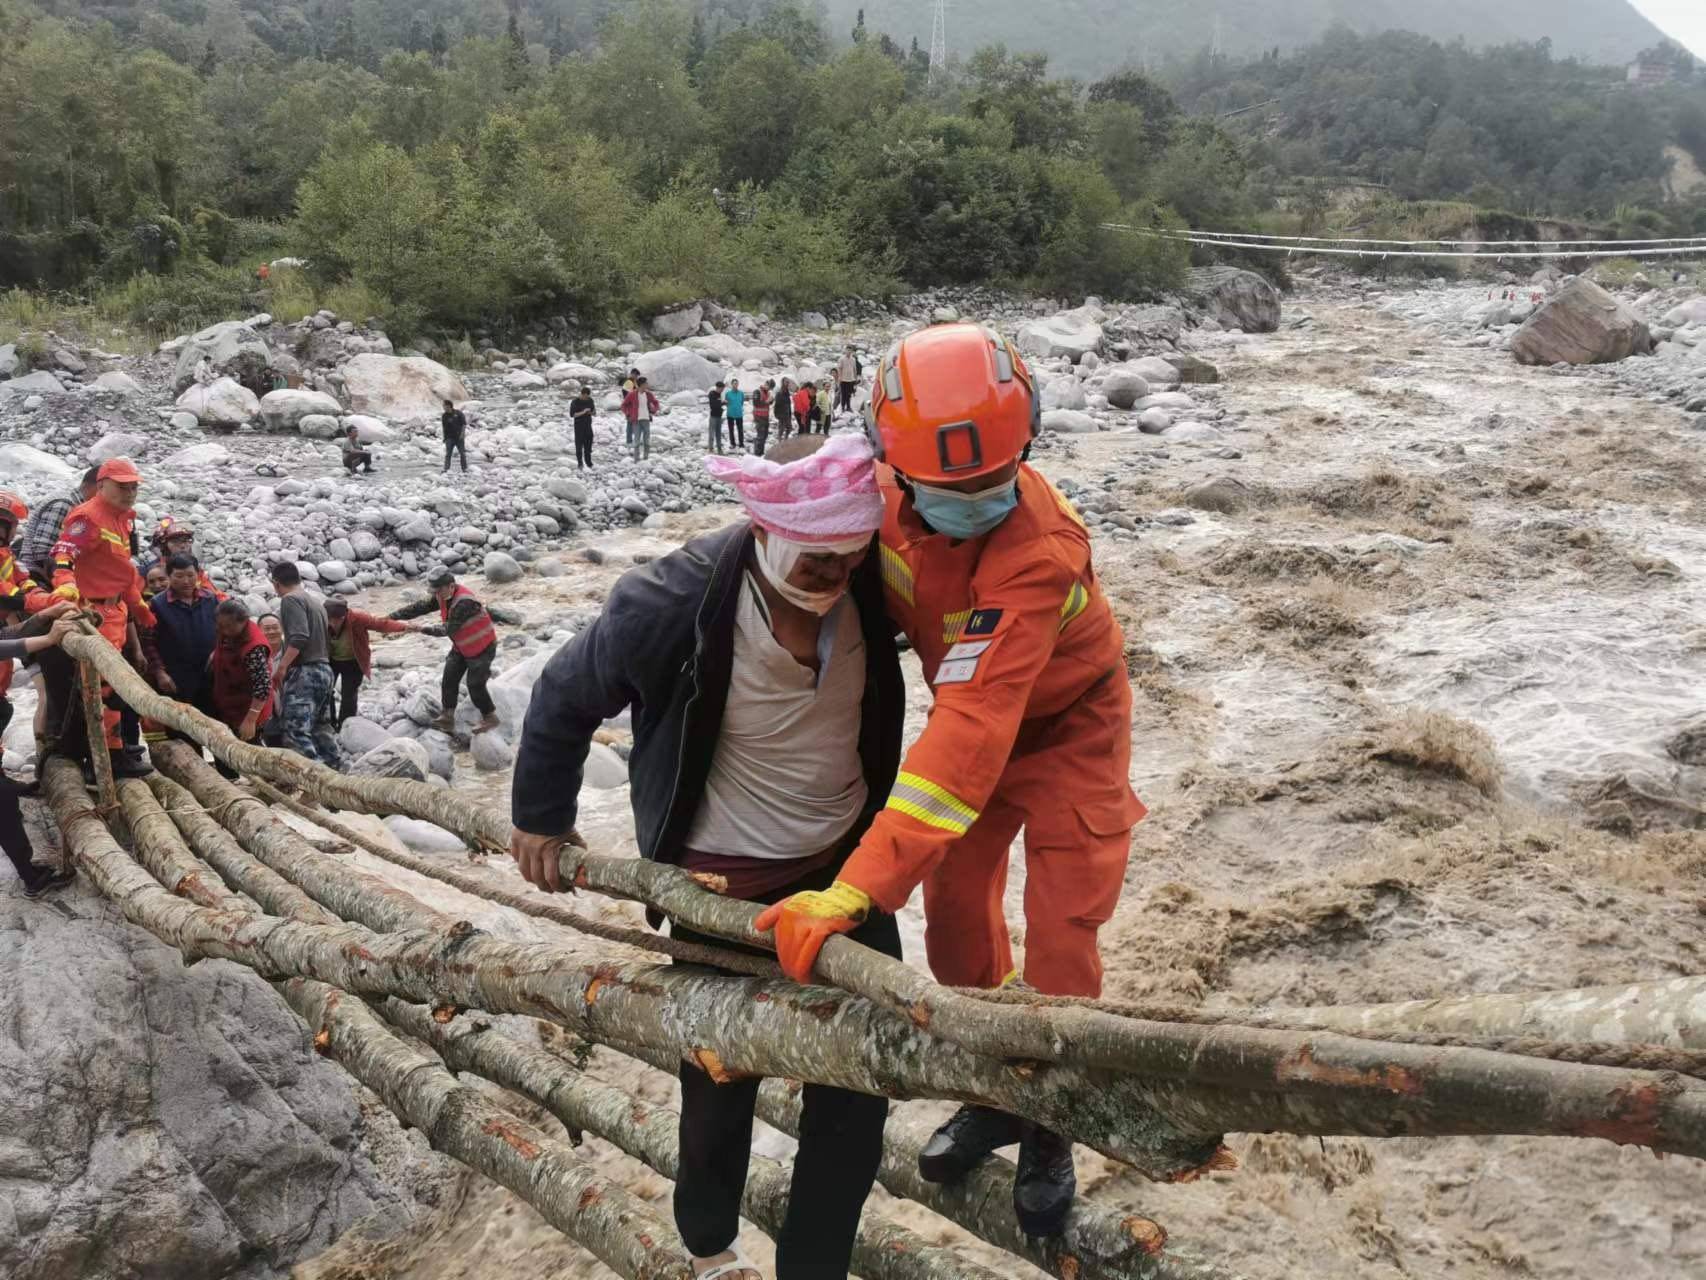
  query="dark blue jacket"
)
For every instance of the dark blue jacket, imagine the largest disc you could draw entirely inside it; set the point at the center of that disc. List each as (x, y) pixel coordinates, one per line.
(184, 637)
(664, 646)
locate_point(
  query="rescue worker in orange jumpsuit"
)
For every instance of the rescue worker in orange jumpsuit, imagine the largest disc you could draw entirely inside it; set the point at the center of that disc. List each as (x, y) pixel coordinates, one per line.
(988, 571)
(21, 596)
(92, 566)
(175, 537)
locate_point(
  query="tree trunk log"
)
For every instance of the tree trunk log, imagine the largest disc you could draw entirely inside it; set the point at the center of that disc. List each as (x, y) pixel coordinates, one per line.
(595, 1213)
(348, 893)
(458, 1120)
(239, 868)
(1300, 1082)
(1670, 1013)
(884, 1251)
(1097, 1243)
(95, 729)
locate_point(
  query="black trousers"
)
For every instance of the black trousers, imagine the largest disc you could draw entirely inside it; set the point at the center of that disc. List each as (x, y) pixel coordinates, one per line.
(347, 673)
(760, 435)
(478, 669)
(456, 445)
(784, 425)
(841, 1146)
(737, 433)
(847, 389)
(583, 444)
(15, 840)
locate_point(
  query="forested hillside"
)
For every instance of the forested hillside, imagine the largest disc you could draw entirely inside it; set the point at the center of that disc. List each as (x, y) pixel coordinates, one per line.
(1089, 38)
(1513, 127)
(450, 165)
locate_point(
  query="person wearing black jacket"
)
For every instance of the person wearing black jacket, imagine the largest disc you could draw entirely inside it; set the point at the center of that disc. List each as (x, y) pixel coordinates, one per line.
(581, 409)
(736, 653)
(455, 424)
(14, 838)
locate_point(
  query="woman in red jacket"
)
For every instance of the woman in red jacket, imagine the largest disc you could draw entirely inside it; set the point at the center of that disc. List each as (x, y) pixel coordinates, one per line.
(352, 651)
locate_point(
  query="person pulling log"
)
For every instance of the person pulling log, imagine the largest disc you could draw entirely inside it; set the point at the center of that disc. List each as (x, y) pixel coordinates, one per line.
(764, 648)
(473, 645)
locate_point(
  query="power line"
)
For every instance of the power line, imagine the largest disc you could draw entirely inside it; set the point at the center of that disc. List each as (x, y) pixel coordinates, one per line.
(939, 39)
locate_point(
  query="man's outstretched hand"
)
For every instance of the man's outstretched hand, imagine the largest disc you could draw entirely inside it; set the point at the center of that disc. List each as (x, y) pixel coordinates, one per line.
(804, 922)
(537, 857)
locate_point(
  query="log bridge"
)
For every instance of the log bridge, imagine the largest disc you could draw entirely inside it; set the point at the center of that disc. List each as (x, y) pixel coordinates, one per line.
(405, 999)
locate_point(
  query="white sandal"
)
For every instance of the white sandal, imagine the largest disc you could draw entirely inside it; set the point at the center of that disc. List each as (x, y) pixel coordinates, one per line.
(741, 1263)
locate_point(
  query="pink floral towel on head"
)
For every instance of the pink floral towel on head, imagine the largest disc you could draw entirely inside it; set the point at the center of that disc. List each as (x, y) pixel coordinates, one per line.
(822, 499)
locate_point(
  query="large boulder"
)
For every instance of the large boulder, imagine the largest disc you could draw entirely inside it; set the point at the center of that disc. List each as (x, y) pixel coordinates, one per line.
(1149, 326)
(10, 360)
(1691, 312)
(1238, 299)
(1071, 335)
(1155, 371)
(393, 758)
(491, 753)
(1069, 422)
(38, 475)
(164, 1119)
(231, 349)
(225, 402)
(284, 410)
(673, 326)
(501, 567)
(41, 382)
(400, 387)
(677, 369)
(121, 384)
(197, 455)
(574, 374)
(115, 444)
(1125, 387)
(1064, 393)
(1582, 324)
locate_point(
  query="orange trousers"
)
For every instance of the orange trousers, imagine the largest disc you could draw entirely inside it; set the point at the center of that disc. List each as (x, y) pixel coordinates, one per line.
(114, 625)
(1067, 786)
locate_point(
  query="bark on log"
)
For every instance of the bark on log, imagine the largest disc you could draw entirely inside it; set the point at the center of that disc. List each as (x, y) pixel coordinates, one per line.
(456, 1119)
(883, 1251)
(1098, 1243)
(347, 892)
(539, 906)
(160, 848)
(619, 1230)
(1670, 1013)
(239, 868)
(94, 728)
(1296, 1082)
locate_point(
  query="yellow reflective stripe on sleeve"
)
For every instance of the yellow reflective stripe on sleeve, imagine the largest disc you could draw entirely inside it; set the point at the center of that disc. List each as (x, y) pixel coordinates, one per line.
(931, 804)
(1077, 600)
(953, 624)
(897, 574)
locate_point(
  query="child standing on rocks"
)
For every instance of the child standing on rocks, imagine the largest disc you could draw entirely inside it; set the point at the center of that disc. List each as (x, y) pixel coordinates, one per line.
(714, 432)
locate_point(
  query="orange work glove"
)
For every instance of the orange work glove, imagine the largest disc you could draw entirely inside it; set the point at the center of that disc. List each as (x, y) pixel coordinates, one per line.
(804, 922)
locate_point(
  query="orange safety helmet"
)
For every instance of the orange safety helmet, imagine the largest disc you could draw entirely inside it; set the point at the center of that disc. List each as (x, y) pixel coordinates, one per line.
(171, 527)
(952, 402)
(13, 507)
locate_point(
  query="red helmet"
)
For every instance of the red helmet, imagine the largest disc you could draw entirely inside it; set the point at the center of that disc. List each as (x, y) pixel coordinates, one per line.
(953, 402)
(171, 527)
(13, 507)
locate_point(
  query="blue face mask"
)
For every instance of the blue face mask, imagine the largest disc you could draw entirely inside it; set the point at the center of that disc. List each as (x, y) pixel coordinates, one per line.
(965, 515)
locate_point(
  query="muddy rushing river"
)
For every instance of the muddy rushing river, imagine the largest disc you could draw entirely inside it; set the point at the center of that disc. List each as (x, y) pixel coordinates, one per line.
(1416, 675)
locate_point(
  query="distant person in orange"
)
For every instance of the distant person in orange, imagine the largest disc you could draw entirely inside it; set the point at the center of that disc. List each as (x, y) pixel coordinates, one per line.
(987, 570)
(92, 566)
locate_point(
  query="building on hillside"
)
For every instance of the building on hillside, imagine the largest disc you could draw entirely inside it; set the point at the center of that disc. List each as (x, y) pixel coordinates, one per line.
(1650, 73)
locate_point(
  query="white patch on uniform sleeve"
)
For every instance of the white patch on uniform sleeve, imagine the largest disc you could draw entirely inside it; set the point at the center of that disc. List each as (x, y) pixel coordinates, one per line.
(958, 672)
(966, 649)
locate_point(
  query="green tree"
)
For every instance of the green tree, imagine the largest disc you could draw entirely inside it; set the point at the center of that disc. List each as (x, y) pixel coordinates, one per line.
(754, 109)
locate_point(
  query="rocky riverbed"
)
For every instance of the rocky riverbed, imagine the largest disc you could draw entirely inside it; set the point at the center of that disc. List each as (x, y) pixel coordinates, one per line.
(1414, 633)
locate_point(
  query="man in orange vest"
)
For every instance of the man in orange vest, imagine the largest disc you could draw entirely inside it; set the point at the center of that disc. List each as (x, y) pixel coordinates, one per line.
(988, 571)
(473, 645)
(21, 596)
(92, 565)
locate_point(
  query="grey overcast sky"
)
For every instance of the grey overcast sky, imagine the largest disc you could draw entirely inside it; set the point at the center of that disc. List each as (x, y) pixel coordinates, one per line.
(1685, 20)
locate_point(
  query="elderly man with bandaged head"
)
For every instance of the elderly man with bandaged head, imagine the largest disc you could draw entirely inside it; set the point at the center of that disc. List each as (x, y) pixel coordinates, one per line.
(761, 673)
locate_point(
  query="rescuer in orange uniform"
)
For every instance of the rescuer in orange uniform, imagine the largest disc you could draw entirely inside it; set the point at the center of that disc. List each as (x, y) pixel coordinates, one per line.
(20, 594)
(92, 565)
(987, 570)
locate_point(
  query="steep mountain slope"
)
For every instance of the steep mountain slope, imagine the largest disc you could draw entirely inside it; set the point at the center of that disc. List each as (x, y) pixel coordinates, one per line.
(1091, 37)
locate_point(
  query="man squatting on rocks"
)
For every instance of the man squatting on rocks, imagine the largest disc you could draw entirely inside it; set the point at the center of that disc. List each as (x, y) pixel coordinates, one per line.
(767, 701)
(473, 645)
(987, 570)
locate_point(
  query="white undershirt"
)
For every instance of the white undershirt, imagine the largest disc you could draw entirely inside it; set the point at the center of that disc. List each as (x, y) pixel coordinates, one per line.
(786, 781)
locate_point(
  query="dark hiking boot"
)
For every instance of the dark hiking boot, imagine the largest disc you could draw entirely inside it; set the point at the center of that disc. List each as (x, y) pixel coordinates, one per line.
(1046, 1185)
(444, 722)
(126, 765)
(488, 722)
(48, 882)
(966, 1140)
